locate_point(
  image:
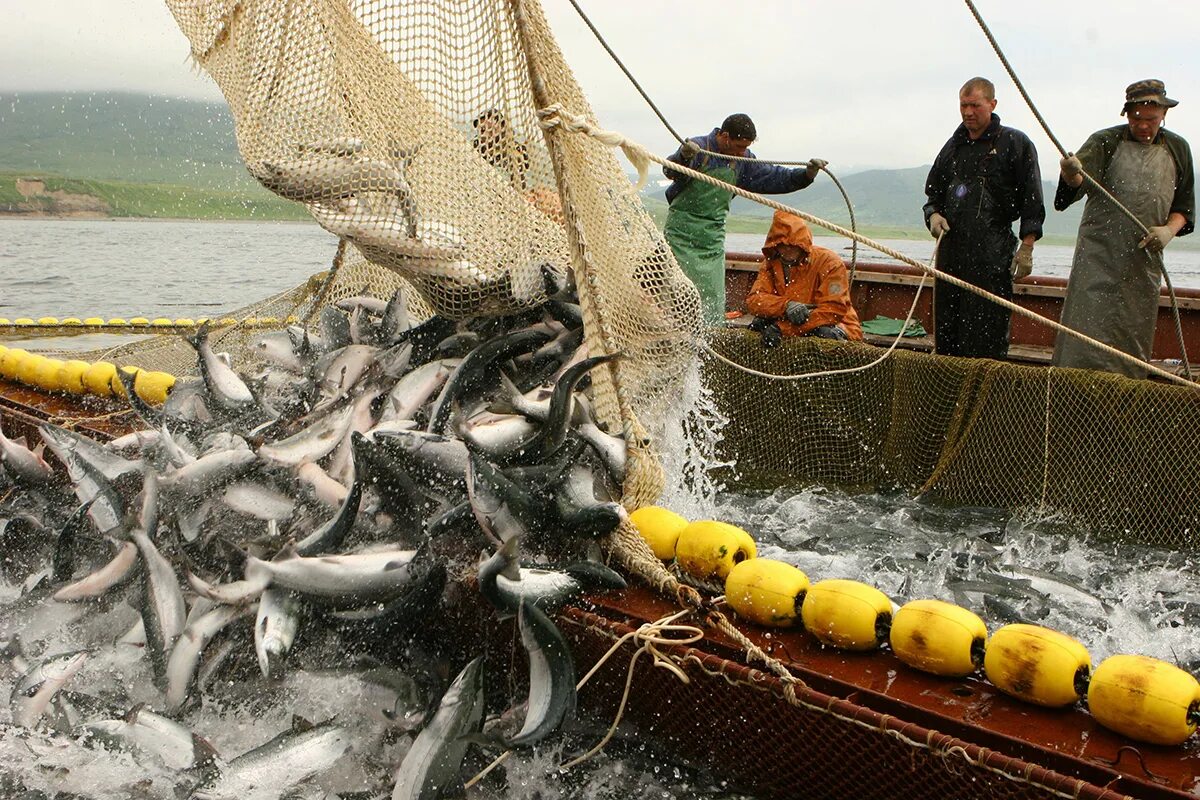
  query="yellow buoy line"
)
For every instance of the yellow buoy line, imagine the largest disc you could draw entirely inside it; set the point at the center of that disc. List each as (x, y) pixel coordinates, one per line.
(25, 326)
(1137, 696)
(81, 378)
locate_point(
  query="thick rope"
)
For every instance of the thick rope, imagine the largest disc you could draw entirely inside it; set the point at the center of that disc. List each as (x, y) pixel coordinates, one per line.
(654, 107)
(558, 115)
(1092, 182)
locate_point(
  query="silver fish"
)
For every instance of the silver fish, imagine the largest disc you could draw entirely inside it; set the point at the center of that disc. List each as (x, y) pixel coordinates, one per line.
(224, 385)
(551, 677)
(143, 731)
(185, 655)
(325, 179)
(33, 692)
(25, 466)
(258, 500)
(433, 763)
(415, 389)
(115, 572)
(275, 628)
(208, 472)
(357, 578)
(271, 769)
(312, 443)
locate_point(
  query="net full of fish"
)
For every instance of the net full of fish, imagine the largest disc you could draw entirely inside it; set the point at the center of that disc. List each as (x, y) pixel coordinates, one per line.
(179, 601)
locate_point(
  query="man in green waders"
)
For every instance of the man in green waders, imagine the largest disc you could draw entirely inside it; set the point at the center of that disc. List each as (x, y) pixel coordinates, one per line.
(1113, 292)
(695, 225)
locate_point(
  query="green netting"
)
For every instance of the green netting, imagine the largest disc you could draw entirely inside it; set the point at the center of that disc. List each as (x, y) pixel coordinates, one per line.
(1113, 455)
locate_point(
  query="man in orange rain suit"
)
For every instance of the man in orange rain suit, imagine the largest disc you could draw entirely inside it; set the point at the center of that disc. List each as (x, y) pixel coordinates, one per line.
(802, 288)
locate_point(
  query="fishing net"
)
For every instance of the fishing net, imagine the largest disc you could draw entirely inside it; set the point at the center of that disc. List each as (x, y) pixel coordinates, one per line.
(1101, 452)
(412, 132)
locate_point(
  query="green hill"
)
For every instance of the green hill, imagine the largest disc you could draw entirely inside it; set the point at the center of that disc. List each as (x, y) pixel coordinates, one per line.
(115, 136)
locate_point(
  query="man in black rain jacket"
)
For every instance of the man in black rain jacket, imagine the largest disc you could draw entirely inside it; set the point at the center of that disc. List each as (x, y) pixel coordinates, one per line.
(985, 178)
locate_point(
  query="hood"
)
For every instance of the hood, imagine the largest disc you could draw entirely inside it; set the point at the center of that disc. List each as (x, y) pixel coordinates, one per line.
(787, 229)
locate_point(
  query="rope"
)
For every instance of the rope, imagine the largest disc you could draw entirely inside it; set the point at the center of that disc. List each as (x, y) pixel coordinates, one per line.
(338, 259)
(1092, 182)
(654, 107)
(650, 634)
(573, 123)
(912, 309)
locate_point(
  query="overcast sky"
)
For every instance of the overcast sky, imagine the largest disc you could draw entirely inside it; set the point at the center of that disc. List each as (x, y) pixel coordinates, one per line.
(862, 83)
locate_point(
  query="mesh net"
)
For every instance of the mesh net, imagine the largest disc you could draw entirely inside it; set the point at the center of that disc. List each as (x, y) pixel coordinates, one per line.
(1104, 452)
(411, 131)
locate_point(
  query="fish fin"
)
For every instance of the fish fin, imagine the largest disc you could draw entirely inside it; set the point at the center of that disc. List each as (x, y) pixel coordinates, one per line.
(595, 576)
(300, 724)
(132, 714)
(204, 755)
(504, 401)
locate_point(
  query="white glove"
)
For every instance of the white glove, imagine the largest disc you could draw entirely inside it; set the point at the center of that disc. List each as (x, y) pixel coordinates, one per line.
(689, 150)
(1022, 263)
(938, 226)
(815, 165)
(1157, 239)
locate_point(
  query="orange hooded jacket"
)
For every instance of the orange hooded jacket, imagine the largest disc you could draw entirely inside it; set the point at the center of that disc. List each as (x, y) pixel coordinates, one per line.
(823, 281)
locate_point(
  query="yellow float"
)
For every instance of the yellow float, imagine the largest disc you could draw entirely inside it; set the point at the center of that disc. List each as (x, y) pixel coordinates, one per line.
(70, 376)
(10, 361)
(938, 637)
(47, 321)
(766, 591)
(847, 614)
(153, 387)
(1145, 699)
(1038, 665)
(45, 377)
(99, 377)
(660, 528)
(28, 369)
(94, 321)
(708, 548)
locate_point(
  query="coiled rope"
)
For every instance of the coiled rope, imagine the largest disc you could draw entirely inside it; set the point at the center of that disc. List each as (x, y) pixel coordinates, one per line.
(556, 116)
(654, 107)
(1092, 182)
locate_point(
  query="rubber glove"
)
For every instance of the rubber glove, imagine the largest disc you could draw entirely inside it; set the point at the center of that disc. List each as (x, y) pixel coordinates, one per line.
(1022, 263)
(1157, 239)
(830, 332)
(938, 225)
(815, 165)
(796, 313)
(771, 335)
(1070, 166)
(688, 150)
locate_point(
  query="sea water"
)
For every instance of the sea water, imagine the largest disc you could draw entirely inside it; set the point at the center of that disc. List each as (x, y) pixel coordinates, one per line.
(1113, 598)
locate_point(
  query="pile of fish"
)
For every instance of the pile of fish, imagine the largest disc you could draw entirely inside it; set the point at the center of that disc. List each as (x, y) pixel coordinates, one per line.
(327, 513)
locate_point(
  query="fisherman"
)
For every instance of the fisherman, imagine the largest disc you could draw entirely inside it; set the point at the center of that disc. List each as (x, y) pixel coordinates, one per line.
(695, 225)
(803, 288)
(1114, 287)
(985, 178)
(494, 141)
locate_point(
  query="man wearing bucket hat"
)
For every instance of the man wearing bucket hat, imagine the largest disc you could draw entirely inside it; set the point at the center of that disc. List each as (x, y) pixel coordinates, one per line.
(695, 226)
(1113, 291)
(985, 178)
